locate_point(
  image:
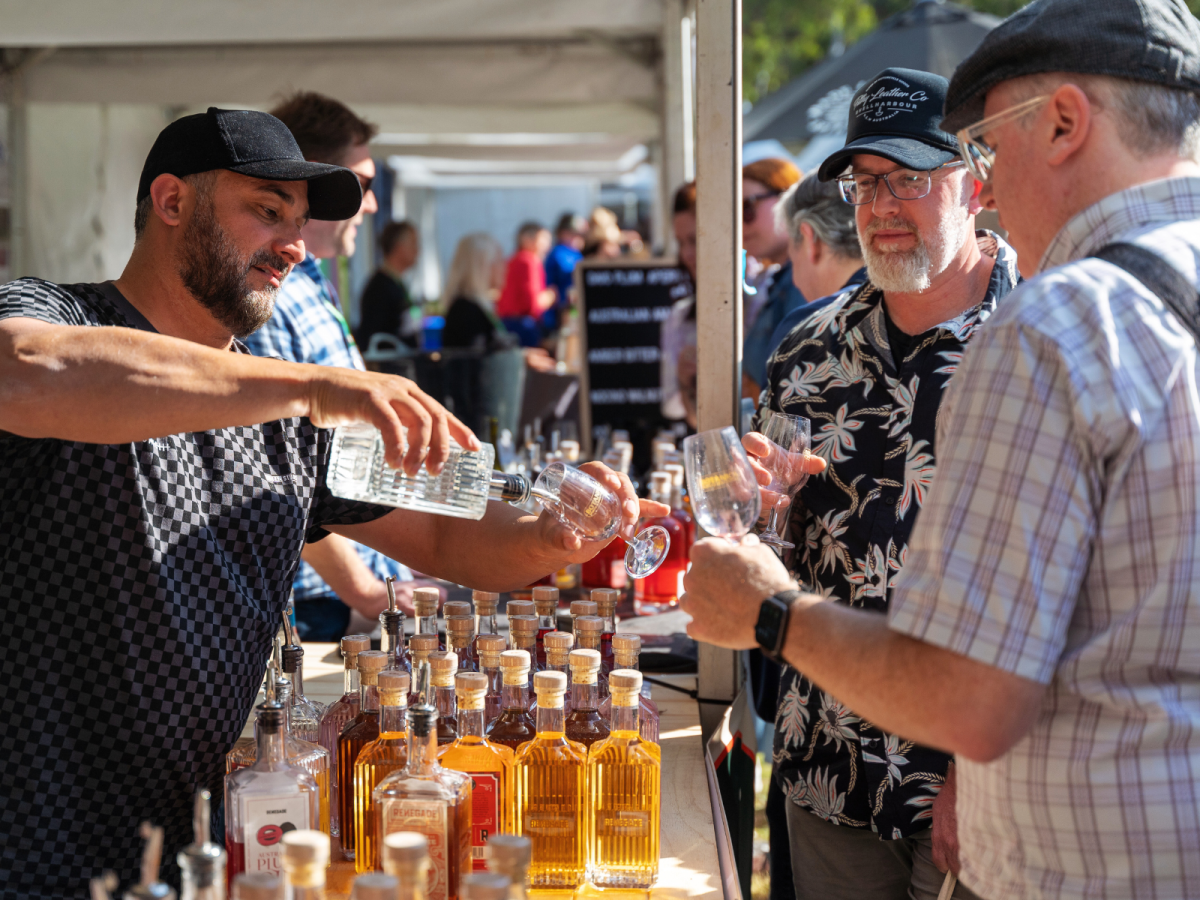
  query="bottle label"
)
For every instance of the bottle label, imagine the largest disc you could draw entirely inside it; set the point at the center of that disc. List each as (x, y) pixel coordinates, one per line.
(594, 503)
(265, 820)
(547, 825)
(428, 819)
(485, 815)
(623, 823)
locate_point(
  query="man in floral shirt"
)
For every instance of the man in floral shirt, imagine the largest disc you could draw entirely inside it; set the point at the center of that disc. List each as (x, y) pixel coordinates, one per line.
(870, 371)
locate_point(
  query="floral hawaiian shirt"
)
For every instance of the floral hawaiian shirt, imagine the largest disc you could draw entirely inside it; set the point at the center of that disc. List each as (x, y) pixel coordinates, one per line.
(873, 420)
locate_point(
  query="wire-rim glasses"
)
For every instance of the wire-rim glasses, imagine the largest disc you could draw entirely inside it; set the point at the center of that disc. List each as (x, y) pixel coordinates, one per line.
(859, 188)
(978, 156)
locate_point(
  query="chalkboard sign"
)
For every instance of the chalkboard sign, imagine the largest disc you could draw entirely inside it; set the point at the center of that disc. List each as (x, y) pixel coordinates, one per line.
(622, 306)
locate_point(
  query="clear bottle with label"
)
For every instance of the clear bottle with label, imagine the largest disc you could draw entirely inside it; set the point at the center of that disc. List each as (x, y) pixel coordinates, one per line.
(360, 731)
(490, 646)
(625, 783)
(376, 761)
(435, 802)
(202, 863)
(262, 799)
(545, 602)
(305, 856)
(659, 591)
(406, 856)
(337, 715)
(488, 765)
(558, 646)
(425, 604)
(584, 722)
(626, 649)
(550, 793)
(509, 854)
(442, 668)
(606, 600)
(514, 726)
(391, 631)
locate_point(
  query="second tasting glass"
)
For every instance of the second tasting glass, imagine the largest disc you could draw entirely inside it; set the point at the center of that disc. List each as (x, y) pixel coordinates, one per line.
(790, 437)
(594, 513)
(721, 483)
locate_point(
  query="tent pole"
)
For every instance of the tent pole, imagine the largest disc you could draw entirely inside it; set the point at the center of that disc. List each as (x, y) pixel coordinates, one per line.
(675, 118)
(719, 242)
(18, 174)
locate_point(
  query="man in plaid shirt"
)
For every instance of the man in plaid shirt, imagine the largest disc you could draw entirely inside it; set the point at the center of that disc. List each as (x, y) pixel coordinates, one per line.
(1046, 626)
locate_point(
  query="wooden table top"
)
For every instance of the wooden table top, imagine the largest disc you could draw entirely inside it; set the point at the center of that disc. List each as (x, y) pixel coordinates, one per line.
(689, 866)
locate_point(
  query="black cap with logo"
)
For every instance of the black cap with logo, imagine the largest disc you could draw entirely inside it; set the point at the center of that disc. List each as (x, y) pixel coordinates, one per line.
(250, 143)
(896, 115)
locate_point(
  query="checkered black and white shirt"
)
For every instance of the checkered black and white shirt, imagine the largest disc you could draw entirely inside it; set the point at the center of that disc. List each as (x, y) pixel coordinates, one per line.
(1061, 542)
(140, 587)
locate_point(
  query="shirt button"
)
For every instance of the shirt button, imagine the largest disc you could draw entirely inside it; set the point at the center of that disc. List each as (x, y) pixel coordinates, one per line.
(890, 501)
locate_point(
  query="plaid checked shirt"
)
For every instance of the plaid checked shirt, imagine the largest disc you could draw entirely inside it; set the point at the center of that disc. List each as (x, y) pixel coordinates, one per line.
(1061, 542)
(307, 327)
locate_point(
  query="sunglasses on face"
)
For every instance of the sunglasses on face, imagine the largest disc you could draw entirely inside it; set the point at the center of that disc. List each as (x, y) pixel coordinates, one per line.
(750, 205)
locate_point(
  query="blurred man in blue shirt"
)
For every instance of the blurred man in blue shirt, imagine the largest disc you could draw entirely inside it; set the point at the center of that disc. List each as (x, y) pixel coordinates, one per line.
(564, 256)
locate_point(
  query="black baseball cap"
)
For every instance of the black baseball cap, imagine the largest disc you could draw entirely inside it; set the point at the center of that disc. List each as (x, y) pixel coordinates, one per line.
(895, 115)
(249, 143)
(1157, 41)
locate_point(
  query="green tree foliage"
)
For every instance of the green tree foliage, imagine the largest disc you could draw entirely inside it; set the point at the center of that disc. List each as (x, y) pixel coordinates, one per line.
(782, 38)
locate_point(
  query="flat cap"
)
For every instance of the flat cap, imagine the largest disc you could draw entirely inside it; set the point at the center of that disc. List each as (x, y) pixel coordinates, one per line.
(1156, 41)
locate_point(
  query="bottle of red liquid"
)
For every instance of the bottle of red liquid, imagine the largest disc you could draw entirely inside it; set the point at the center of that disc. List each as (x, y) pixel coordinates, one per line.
(607, 568)
(660, 590)
(679, 508)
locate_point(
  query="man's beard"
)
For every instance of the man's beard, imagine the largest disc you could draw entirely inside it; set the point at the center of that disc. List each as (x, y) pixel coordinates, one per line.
(217, 275)
(912, 271)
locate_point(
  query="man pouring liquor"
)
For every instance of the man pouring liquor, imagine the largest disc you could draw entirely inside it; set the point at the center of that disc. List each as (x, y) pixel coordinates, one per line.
(158, 485)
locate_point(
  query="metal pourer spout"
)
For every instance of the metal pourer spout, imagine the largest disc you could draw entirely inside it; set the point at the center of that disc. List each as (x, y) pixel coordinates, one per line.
(512, 488)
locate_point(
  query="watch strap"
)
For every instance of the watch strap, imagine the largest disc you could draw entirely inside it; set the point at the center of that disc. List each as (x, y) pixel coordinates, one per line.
(771, 629)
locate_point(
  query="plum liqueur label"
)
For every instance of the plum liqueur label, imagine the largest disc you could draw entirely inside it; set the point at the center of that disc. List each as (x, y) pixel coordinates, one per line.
(265, 820)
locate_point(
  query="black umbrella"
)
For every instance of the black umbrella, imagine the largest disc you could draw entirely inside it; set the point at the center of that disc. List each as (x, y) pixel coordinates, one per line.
(932, 36)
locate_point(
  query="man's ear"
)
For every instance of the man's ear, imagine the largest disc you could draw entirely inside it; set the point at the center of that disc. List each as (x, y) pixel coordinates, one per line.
(812, 247)
(1070, 119)
(166, 194)
(974, 205)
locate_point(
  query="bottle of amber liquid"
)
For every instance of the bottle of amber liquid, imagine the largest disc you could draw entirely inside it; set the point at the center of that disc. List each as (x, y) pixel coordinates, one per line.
(545, 601)
(377, 761)
(486, 603)
(443, 665)
(432, 801)
(514, 726)
(360, 731)
(624, 778)
(558, 646)
(606, 600)
(460, 638)
(391, 630)
(523, 632)
(490, 646)
(584, 723)
(550, 793)
(626, 648)
(425, 604)
(489, 765)
(337, 715)
(588, 632)
(406, 856)
(659, 591)
(582, 608)
(305, 856)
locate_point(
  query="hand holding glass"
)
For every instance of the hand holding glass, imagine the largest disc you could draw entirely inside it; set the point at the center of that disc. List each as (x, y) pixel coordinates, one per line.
(788, 442)
(593, 512)
(721, 483)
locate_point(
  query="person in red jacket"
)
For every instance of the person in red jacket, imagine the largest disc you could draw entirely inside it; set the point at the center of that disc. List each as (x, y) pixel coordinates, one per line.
(525, 295)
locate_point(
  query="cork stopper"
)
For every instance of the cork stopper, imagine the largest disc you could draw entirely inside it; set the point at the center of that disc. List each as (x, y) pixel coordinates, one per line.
(486, 602)
(587, 632)
(375, 886)
(626, 648)
(550, 687)
(489, 647)
(257, 886)
(520, 608)
(507, 853)
(558, 644)
(583, 608)
(443, 664)
(421, 645)
(514, 665)
(460, 625)
(425, 601)
(306, 847)
(457, 608)
(524, 627)
(370, 664)
(393, 687)
(352, 645)
(546, 600)
(585, 666)
(471, 689)
(606, 600)
(483, 886)
(624, 685)
(405, 847)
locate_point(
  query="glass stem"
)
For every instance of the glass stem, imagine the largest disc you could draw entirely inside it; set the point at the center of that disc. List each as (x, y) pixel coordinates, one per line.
(771, 521)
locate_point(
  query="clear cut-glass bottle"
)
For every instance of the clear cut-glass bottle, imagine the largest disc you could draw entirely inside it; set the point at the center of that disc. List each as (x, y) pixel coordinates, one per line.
(261, 799)
(337, 715)
(376, 761)
(550, 793)
(490, 646)
(489, 765)
(625, 780)
(584, 722)
(432, 801)
(626, 648)
(514, 726)
(359, 731)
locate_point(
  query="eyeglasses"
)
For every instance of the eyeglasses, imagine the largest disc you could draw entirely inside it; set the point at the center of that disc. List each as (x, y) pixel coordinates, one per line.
(365, 182)
(978, 156)
(858, 189)
(750, 205)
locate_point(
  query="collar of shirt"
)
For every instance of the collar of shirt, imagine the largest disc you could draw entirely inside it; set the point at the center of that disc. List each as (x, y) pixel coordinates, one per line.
(1165, 200)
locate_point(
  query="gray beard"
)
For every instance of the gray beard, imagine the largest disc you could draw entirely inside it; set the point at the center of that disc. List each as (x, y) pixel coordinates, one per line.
(912, 271)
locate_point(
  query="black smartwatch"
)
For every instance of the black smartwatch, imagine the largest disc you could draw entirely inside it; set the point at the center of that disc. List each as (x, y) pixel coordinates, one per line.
(771, 628)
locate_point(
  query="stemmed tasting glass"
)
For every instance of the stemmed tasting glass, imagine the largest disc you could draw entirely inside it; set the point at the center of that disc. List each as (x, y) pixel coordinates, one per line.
(593, 512)
(790, 437)
(724, 491)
